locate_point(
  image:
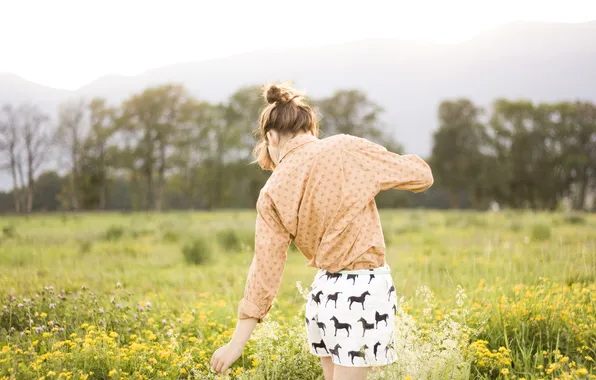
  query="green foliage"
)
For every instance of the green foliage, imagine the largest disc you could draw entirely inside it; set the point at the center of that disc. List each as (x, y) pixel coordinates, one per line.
(541, 232)
(164, 149)
(199, 251)
(516, 226)
(137, 309)
(137, 233)
(85, 246)
(9, 231)
(575, 219)
(457, 160)
(229, 240)
(170, 237)
(114, 233)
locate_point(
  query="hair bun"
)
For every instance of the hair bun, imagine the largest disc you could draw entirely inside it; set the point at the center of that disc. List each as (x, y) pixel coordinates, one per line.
(280, 94)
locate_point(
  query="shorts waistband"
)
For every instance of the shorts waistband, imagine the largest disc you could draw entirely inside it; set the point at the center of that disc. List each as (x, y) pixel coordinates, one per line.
(385, 269)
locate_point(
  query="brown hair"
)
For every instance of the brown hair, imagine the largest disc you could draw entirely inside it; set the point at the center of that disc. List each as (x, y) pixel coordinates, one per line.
(287, 112)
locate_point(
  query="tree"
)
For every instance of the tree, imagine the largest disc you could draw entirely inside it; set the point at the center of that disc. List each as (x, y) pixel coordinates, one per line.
(191, 149)
(151, 118)
(37, 143)
(10, 146)
(457, 160)
(103, 126)
(529, 150)
(69, 137)
(352, 113)
(25, 135)
(47, 190)
(577, 125)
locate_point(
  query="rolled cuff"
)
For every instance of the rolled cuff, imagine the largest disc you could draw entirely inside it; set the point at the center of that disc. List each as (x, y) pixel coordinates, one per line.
(247, 309)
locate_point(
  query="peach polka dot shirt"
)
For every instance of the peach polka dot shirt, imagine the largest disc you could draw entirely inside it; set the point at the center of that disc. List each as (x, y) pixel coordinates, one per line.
(321, 195)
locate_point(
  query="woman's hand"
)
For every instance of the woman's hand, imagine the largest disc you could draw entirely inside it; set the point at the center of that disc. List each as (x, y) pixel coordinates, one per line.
(225, 356)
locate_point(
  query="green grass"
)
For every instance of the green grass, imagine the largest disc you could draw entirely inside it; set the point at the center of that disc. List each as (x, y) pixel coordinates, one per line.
(527, 279)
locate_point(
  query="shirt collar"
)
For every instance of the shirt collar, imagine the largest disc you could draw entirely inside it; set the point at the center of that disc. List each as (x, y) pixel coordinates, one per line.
(296, 142)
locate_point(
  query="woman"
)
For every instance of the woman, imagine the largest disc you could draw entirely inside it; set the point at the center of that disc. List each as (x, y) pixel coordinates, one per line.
(321, 196)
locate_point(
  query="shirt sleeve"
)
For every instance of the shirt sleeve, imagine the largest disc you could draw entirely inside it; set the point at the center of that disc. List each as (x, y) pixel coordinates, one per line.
(264, 276)
(395, 171)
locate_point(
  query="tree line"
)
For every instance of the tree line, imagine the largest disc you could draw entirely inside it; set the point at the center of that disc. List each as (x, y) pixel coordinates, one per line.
(165, 149)
(521, 155)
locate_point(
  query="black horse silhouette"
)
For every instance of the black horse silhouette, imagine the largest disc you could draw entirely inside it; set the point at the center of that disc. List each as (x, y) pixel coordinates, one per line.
(340, 326)
(391, 289)
(353, 277)
(358, 354)
(336, 276)
(332, 297)
(320, 345)
(335, 351)
(359, 299)
(376, 346)
(394, 310)
(380, 317)
(320, 325)
(371, 277)
(316, 297)
(366, 325)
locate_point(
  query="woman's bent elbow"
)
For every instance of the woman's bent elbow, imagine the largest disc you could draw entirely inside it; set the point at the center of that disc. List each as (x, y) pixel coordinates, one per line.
(425, 182)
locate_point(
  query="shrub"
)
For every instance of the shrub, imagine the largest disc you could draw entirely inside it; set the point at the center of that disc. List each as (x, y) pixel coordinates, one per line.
(575, 219)
(170, 237)
(198, 251)
(85, 246)
(541, 232)
(9, 231)
(114, 233)
(141, 233)
(229, 240)
(515, 226)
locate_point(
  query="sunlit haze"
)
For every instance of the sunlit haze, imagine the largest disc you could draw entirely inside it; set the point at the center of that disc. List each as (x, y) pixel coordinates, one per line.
(66, 43)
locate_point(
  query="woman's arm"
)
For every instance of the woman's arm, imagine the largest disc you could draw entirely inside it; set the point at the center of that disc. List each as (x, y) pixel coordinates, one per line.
(225, 356)
(392, 170)
(262, 285)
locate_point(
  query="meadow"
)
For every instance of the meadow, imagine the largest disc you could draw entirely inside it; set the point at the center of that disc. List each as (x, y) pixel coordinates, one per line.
(504, 295)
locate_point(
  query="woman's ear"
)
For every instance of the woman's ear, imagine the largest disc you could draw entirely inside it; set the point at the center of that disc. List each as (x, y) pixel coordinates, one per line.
(272, 137)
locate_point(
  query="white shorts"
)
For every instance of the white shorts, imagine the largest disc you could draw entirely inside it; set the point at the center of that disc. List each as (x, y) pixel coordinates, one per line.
(350, 317)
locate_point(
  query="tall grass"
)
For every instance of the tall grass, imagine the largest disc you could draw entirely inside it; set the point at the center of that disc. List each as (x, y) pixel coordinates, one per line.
(483, 296)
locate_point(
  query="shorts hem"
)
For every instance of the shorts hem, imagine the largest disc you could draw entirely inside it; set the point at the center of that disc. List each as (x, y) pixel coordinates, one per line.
(321, 355)
(336, 362)
(362, 365)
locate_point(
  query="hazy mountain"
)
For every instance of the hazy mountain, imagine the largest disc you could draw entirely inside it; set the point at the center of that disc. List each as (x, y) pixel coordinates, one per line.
(539, 61)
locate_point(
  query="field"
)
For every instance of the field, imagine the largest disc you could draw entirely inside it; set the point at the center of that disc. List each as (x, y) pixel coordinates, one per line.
(505, 295)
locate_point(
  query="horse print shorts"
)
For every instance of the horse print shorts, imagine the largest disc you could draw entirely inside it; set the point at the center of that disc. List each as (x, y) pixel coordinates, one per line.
(350, 317)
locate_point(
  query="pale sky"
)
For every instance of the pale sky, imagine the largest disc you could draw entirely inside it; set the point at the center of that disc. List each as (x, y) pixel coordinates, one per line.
(68, 43)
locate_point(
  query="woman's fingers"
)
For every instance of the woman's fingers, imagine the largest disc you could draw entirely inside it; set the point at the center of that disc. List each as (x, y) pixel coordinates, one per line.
(220, 366)
(224, 357)
(215, 362)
